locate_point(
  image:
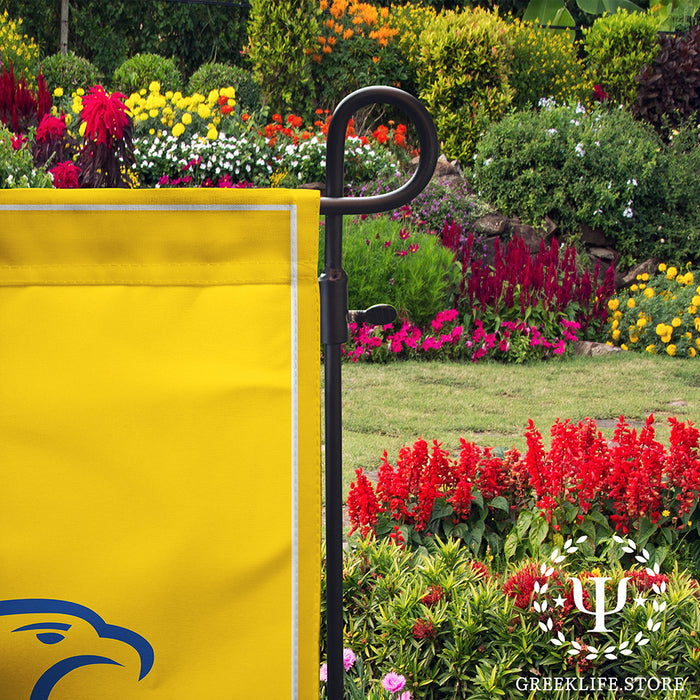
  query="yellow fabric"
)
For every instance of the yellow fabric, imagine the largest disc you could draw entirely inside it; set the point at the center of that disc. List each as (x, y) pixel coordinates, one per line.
(159, 444)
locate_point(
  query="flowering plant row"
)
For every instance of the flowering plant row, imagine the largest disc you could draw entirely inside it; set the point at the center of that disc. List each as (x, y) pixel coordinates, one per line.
(659, 314)
(512, 503)
(453, 626)
(448, 338)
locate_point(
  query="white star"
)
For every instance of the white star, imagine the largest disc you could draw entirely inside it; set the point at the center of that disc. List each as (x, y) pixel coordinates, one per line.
(639, 601)
(559, 601)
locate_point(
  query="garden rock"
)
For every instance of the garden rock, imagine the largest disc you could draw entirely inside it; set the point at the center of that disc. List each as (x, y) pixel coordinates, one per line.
(648, 266)
(588, 348)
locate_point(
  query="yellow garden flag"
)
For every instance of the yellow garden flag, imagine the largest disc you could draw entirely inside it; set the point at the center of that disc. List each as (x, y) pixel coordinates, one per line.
(159, 444)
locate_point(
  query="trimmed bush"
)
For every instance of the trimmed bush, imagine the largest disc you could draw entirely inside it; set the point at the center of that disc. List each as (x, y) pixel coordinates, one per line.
(281, 40)
(598, 169)
(69, 72)
(138, 72)
(214, 76)
(464, 72)
(546, 64)
(618, 47)
(669, 87)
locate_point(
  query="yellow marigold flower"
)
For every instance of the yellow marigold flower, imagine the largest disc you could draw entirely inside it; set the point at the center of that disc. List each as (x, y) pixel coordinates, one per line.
(153, 113)
(58, 92)
(665, 513)
(645, 277)
(634, 338)
(154, 86)
(624, 347)
(692, 309)
(676, 322)
(203, 111)
(689, 279)
(615, 324)
(641, 322)
(662, 267)
(671, 350)
(642, 285)
(186, 118)
(634, 288)
(661, 329)
(691, 352)
(616, 335)
(617, 315)
(651, 349)
(213, 97)
(82, 129)
(212, 134)
(695, 301)
(80, 92)
(649, 292)
(178, 129)
(613, 304)
(630, 303)
(671, 273)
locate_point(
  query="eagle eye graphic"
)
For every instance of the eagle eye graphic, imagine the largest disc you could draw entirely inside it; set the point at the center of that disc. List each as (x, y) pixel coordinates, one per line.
(52, 632)
(47, 637)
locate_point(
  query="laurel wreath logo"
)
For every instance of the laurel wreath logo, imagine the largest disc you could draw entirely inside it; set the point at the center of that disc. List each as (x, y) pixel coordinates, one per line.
(612, 651)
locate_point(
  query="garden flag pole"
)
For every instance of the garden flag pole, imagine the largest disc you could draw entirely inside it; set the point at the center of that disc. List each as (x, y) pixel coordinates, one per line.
(334, 308)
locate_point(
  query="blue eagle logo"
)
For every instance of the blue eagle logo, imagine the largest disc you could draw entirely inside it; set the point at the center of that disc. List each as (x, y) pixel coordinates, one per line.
(52, 623)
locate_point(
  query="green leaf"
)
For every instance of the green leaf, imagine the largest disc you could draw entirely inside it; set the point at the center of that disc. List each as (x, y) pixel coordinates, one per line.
(591, 7)
(612, 6)
(511, 544)
(441, 509)
(523, 524)
(544, 11)
(500, 503)
(538, 533)
(646, 529)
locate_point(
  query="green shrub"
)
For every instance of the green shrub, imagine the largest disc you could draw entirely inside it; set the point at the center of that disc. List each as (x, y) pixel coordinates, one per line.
(281, 40)
(669, 87)
(546, 64)
(617, 48)
(17, 165)
(463, 70)
(18, 50)
(356, 47)
(387, 263)
(214, 76)
(69, 72)
(138, 72)
(599, 169)
(456, 631)
(658, 314)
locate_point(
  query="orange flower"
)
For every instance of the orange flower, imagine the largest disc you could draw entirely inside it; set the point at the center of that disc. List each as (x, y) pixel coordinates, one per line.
(245, 117)
(316, 58)
(321, 40)
(338, 8)
(332, 40)
(347, 33)
(327, 49)
(375, 59)
(323, 5)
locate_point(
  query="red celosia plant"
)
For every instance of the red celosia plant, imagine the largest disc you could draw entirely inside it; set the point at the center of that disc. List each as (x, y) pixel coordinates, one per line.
(65, 175)
(53, 143)
(20, 107)
(106, 155)
(522, 287)
(633, 481)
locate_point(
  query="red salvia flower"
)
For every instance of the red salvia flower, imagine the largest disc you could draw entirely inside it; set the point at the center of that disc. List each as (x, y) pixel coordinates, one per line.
(51, 129)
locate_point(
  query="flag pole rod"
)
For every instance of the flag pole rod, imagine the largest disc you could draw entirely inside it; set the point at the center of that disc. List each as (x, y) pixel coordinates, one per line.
(333, 284)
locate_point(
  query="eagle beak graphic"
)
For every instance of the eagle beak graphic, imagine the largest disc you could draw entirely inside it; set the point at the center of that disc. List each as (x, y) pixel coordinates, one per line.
(54, 628)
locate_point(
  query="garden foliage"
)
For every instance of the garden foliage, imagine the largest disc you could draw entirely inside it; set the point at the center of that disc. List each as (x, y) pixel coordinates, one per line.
(17, 50)
(68, 72)
(214, 76)
(463, 72)
(281, 39)
(389, 263)
(617, 47)
(356, 47)
(597, 169)
(139, 71)
(17, 168)
(668, 91)
(454, 627)
(546, 64)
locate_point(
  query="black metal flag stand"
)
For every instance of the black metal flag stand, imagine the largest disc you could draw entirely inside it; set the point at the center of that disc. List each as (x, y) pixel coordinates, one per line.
(333, 284)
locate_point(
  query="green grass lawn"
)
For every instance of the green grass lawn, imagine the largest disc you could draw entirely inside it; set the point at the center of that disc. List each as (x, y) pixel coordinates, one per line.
(387, 406)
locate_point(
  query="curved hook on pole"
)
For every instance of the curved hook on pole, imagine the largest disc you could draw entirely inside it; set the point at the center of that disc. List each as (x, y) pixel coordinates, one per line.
(334, 202)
